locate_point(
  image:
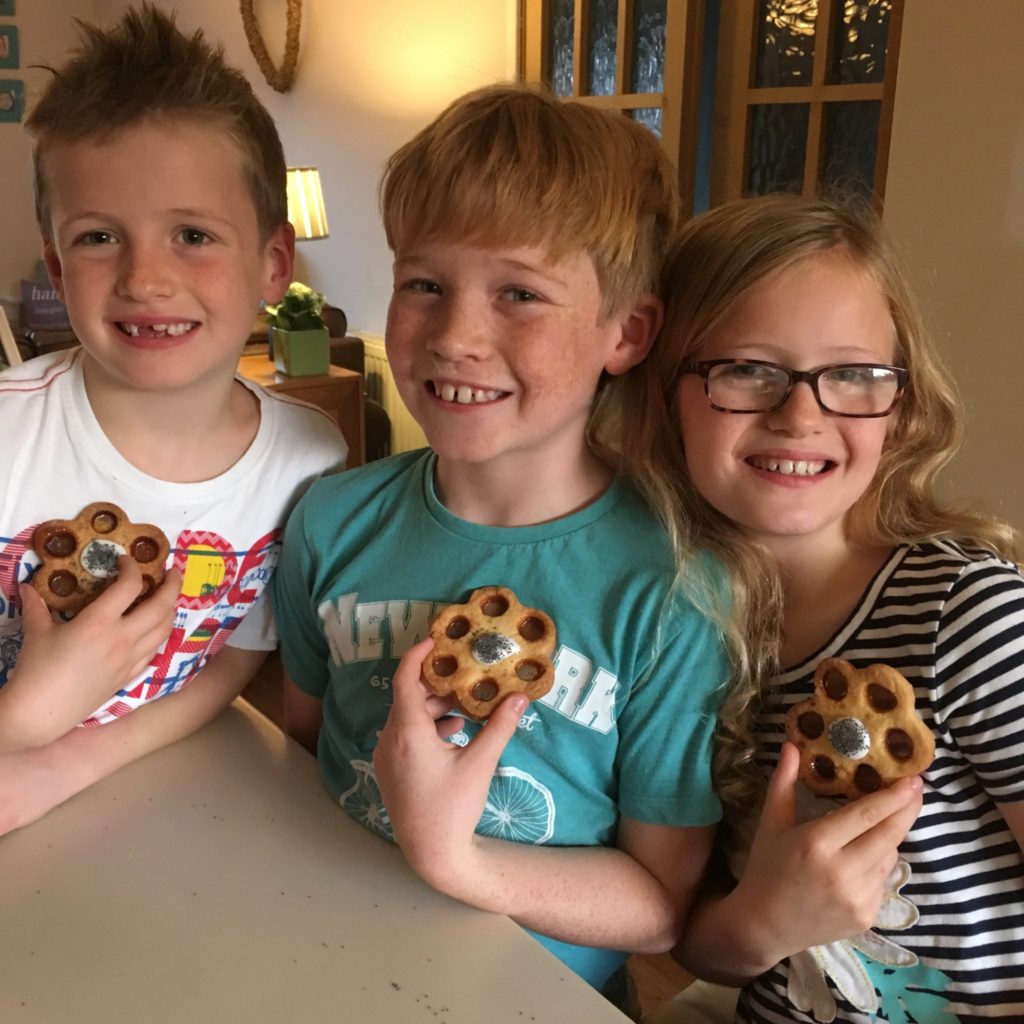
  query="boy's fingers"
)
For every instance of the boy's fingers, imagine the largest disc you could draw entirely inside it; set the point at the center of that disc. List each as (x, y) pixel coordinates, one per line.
(171, 584)
(164, 600)
(490, 741)
(447, 726)
(118, 597)
(34, 613)
(438, 707)
(157, 611)
(408, 690)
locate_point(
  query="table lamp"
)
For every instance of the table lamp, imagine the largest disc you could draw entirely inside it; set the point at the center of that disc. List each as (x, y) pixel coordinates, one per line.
(306, 203)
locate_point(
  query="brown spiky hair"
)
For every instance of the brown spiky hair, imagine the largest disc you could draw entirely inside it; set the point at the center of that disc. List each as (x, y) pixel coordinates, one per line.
(145, 68)
(510, 165)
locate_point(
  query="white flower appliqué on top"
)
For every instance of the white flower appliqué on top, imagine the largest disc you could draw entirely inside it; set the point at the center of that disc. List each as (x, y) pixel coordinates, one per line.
(808, 988)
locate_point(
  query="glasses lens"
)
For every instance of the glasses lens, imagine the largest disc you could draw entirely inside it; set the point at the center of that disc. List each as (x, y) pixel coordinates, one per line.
(746, 387)
(859, 390)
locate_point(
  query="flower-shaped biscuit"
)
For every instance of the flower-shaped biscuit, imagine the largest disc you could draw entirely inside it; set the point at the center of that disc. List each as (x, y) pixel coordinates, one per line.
(859, 732)
(489, 647)
(80, 555)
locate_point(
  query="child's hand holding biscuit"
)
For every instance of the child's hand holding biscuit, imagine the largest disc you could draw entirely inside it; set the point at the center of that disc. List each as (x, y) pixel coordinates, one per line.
(68, 669)
(805, 883)
(435, 791)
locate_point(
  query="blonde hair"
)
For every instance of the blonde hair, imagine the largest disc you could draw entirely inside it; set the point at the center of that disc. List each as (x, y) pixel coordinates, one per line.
(145, 68)
(714, 260)
(513, 165)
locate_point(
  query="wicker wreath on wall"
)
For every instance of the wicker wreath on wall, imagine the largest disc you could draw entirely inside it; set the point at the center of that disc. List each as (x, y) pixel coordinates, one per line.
(280, 79)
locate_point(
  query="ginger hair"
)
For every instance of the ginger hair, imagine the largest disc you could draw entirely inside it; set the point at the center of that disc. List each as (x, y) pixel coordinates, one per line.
(510, 165)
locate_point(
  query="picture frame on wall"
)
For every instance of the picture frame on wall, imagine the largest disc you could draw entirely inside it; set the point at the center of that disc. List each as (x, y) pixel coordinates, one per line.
(12, 99)
(9, 46)
(6, 8)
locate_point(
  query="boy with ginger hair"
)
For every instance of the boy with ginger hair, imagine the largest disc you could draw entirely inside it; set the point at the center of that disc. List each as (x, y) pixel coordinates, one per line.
(528, 236)
(160, 189)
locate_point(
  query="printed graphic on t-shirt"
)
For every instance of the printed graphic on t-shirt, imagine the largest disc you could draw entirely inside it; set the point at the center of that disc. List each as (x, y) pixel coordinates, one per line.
(375, 630)
(219, 586)
(518, 808)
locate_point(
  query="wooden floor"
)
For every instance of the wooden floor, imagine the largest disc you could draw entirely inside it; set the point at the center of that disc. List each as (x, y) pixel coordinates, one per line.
(657, 978)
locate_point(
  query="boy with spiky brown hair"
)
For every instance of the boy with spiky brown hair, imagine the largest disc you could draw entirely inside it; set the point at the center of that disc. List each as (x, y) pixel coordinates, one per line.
(528, 236)
(160, 191)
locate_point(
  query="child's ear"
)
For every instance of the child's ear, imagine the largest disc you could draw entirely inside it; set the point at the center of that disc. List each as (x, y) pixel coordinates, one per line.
(279, 261)
(54, 269)
(639, 324)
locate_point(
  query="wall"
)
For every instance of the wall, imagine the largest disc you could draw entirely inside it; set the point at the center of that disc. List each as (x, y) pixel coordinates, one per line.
(370, 76)
(955, 200)
(44, 34)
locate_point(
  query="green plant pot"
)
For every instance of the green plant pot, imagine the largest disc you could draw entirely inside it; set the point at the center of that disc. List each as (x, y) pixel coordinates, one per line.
(301, 353)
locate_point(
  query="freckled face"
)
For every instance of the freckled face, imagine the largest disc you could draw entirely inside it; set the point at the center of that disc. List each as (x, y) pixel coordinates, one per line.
(497, 352)
(790, 476)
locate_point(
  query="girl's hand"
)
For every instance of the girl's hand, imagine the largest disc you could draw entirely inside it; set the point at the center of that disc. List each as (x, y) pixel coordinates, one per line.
(813, 883)
(66, 670)
(435, 791)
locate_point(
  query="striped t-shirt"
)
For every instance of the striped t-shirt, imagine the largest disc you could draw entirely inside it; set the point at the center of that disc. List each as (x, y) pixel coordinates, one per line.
(952, 621)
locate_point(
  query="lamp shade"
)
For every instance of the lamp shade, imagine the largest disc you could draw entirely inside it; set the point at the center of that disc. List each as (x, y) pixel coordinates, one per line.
(306, 203)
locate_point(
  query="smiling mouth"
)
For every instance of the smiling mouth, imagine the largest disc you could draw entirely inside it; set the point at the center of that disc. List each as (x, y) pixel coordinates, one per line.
(157, 330)
(463, 394)
(791, 467)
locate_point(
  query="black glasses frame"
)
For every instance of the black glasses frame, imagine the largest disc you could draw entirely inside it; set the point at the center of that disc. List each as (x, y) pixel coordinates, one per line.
(704, 367)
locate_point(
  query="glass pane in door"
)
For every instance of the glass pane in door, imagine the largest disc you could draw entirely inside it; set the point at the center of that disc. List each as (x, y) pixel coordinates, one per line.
(648, 57)
(776, 146)
(561, 22)
(604, 30)
(851, 144)
(860, 38)
(649, 117)
(784, 36)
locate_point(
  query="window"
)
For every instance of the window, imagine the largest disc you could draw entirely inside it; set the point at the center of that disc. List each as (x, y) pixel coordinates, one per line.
(747, 96)
(804, 96)
(637, 57)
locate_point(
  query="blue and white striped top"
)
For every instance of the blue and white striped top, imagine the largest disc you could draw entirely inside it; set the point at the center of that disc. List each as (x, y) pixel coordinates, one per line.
(952, 621)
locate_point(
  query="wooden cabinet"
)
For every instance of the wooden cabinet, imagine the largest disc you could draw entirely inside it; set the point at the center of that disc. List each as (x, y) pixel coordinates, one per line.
(338, 392)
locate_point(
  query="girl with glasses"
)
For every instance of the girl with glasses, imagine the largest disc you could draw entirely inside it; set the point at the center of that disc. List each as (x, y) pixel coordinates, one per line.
(793, 418)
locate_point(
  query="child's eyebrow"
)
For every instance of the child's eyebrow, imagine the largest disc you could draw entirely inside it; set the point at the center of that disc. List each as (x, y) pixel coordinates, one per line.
(182, 214)
(190, 213)
(546, 269)
(86, 215)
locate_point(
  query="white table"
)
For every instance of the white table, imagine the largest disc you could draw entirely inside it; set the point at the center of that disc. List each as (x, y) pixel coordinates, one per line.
(216, 881)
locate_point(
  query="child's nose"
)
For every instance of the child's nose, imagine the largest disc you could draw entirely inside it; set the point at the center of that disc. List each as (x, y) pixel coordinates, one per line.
(800, 414)
(145, 274)
(460, 332)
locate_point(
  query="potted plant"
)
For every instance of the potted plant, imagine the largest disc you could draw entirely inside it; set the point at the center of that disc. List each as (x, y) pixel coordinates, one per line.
(300, 343)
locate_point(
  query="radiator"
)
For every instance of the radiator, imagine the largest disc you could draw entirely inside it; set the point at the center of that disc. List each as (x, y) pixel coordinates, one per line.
(380, 386)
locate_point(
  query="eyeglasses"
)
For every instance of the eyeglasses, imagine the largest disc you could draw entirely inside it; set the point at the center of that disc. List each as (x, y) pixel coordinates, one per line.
(751, 385)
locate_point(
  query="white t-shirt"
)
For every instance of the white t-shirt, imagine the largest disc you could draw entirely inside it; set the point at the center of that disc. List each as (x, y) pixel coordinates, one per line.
(225, 533)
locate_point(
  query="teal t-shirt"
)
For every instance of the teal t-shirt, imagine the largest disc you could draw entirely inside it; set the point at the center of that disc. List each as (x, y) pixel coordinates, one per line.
(370, 556)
